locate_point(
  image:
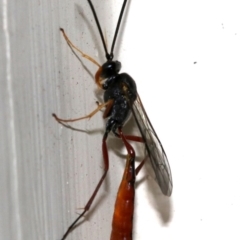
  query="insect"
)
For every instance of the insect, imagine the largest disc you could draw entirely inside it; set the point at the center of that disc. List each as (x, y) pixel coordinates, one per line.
(120, 100)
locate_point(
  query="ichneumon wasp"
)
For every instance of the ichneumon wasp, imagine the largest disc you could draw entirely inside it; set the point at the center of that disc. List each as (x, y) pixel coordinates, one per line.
(120, 100)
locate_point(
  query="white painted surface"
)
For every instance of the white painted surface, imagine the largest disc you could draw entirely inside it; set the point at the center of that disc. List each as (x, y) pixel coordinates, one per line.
(184, 56)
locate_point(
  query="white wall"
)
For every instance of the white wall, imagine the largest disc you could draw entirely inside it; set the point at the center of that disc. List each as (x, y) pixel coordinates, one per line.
(184, 56)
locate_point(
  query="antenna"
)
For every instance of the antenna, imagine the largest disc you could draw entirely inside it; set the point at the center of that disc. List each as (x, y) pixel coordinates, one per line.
(108, 56)
(117, 28)
(99, 29)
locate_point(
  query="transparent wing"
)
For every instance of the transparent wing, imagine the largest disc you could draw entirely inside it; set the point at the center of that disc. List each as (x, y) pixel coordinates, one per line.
(154, 148)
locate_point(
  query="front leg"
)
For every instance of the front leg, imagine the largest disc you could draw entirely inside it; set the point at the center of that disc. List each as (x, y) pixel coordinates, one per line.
(100, 106)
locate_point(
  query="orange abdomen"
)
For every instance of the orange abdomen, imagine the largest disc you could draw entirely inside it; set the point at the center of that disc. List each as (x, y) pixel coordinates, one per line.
(122, 222)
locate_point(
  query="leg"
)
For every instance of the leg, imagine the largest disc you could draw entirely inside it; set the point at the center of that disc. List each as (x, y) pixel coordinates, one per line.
(89, 203)
(134, 138)
(137, 170)
(77, 49)
(129, 148)
(98, 74)
(100, 106)
(98, 79)
(131, 137)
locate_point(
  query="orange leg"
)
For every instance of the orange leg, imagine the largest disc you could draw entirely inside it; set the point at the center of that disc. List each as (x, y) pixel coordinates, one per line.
(100, 106)
(98, 79)
(77, 49)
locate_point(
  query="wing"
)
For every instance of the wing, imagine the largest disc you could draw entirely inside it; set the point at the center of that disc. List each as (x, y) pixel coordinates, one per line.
(154, 148)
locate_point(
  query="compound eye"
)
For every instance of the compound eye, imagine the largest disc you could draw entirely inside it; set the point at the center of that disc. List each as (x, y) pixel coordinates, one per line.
(118, 66)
